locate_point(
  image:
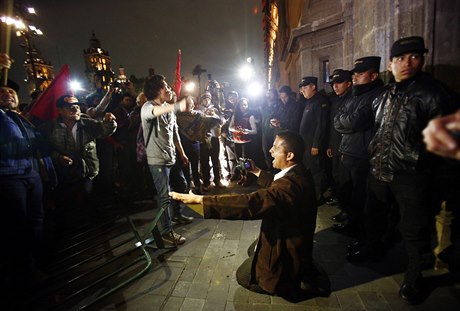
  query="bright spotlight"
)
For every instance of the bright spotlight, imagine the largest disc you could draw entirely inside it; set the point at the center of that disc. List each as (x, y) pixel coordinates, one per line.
(31, 10)
(246, 72)
(255, 89)
(75, 86)
(189, 87)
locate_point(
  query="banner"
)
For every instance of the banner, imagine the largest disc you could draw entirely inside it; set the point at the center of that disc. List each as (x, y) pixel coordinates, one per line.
(45, 106)
(178, 82)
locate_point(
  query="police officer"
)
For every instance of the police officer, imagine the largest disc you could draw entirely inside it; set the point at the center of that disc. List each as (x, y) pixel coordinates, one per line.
(341, 83)
(355, 121)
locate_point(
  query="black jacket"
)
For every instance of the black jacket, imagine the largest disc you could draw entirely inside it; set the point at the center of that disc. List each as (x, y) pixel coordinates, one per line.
(289, 115)
(314, 126)
(355, 120)
(402, 111)
(335, 137)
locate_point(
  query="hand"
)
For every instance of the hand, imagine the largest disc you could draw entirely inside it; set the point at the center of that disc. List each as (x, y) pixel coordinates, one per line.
(329, 152)
(253, 168)
(314, 151)
(185, 160)
(190, 103)
(439, 136)
(275, 123)
(5, 61)
(189, 198)
(109, 117)
(65, 160)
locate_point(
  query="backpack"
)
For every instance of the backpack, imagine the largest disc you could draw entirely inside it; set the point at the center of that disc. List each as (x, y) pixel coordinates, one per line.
(141, 146)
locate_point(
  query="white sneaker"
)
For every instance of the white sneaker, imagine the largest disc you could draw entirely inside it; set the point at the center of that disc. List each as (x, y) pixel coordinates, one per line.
(172, 237)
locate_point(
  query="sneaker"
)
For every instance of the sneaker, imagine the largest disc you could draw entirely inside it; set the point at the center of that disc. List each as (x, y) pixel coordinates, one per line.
(219, 184)
(182, 219)
(173, 238)
(332, 201)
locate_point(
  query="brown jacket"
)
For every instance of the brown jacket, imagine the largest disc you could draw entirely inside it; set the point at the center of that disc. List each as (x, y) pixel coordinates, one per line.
(288, 209)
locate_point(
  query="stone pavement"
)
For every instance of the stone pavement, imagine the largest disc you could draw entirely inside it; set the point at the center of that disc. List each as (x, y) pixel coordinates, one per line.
(200, 275)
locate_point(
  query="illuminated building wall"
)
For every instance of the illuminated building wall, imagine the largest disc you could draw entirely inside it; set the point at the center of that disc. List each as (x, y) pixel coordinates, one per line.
(314, 37)
(43, 69)
(98, 63)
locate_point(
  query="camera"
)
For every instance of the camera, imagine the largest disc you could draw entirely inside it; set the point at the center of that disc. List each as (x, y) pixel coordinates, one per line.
(243, 164)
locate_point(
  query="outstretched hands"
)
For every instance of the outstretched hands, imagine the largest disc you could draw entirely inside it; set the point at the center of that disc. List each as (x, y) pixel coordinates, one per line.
(189, 198)
(442, 136)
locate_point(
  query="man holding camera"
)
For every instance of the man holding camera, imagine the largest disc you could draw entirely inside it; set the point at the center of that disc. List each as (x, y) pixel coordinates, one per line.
(282, 263)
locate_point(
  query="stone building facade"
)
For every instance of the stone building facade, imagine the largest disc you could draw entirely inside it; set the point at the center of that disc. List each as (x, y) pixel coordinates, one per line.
(314, 37)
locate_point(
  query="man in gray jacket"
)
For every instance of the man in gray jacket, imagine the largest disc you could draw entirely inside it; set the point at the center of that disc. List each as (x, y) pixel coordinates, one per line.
(161, 137)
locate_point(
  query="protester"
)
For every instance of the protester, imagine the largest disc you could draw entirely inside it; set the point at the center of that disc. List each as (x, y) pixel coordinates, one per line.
(243, 128)
(21, 193)
(159, 119)
(282, 263)
(210, 148)
(73, 141)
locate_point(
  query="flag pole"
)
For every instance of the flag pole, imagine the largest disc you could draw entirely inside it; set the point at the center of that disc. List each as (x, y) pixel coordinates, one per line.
(6, 37)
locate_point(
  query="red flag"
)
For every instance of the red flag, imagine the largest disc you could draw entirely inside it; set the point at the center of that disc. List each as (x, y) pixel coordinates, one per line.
(45, 106)
(178, 82)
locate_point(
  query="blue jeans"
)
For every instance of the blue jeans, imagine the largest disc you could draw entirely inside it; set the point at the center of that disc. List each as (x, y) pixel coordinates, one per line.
(161, 177)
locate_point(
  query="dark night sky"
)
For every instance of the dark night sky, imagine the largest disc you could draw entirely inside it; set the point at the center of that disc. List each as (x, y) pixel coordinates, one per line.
(218, 34)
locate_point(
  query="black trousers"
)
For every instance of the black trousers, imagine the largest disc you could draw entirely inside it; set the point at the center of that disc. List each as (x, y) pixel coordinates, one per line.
(192, 150)
(357, 170)
(21, 228)
(210, 151)
(412, 195)
(317, 166)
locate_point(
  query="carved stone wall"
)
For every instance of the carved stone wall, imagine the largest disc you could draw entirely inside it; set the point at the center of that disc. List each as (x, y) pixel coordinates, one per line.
(342, 30)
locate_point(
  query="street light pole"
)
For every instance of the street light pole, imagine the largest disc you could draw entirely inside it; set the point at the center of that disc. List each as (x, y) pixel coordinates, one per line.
(6, 37)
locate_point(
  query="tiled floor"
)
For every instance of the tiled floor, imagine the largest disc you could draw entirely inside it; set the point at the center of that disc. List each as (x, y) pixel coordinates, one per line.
(200, 275)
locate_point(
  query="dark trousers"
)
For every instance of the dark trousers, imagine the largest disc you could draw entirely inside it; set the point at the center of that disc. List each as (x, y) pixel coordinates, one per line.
(267, 144)
(317, 166)
(410, 191)
(342, 186)
(21, 228)
(357, 170)
(192, 150)
(210, 151)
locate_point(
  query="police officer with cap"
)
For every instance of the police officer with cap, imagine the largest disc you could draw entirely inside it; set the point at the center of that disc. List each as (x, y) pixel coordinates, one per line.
(314, 127)
(341, 83)
(354, 121)
(401, 169)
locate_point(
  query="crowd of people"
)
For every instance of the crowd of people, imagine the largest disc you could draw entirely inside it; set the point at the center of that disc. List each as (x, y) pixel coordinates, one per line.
(360, 148)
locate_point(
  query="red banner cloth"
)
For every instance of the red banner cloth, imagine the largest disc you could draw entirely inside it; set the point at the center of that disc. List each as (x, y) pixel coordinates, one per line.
(178, 82)
(45, 106)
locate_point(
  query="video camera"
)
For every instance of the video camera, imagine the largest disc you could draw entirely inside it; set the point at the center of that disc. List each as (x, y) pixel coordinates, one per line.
(243, 164)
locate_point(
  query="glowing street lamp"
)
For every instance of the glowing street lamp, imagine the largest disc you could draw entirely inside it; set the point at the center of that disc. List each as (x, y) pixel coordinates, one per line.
(26, 31)
(75, 86)
(255, 89)
(189, 87)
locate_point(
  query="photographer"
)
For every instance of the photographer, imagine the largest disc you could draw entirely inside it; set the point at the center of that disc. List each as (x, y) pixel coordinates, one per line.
(282, 262)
